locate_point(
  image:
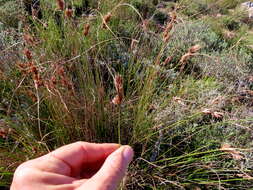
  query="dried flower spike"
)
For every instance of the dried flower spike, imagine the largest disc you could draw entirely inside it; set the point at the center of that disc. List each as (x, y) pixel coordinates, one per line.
(34, 71)
(28, 54)
(68, 13)
(28, 39)
(118, 83)
(53, 80)
(232, 151)
(61, 4)
(133, 44)
(191, 52)
(218, 115)
(214, 114)
(168, 27)
(166, 37)
(117, 100)
(86, 29)
(4, 132)
(185, 57)
(167, 60)
(173, 16)
(106, 19)
(194, 49)
(207, 111)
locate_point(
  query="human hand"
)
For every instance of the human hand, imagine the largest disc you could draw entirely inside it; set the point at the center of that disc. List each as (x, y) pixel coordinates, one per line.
(77, 166)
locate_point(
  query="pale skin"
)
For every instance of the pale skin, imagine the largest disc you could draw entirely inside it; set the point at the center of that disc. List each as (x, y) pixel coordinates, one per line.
(77, 166)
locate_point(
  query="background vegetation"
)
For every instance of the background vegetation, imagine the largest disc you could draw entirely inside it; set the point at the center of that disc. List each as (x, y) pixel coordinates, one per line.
(171, 78)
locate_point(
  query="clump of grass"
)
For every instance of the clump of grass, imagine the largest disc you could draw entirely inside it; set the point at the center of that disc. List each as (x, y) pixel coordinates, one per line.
(181, 124)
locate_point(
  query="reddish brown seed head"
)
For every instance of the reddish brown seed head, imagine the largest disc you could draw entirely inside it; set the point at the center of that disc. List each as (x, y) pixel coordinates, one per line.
(34, 70)
(185, 57)
(28, 39)
(60, 4)
(28, 54)
(53, 80)
(173, 16)
(61, 71)
(194, 49)
(117, 100)
(118, 83)
(21, 65)
(86, 29)
(4, 132)
(168, 27)
(166, 37)
(68, 13)
(106, 19)
(167, 60)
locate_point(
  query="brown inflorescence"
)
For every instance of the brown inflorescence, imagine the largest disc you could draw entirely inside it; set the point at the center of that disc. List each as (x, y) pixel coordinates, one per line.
(65, 81)
(86, 29)
(173, 16)
(28, 54)
(195, 49)
(166, 37)
(68, 12)
(118, 83)
(53, 80)
(22, 66)
(185, 57)
(35, 74)
(61, 4)
(28, 39)
(215, 114)
(169, 26)
(30, 67)
(4, 132)
(191, 52)
(106, 19)
(134, 43)
(167, 60)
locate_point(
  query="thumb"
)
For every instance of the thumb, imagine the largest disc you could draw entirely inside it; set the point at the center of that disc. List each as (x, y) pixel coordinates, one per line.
(112, 171)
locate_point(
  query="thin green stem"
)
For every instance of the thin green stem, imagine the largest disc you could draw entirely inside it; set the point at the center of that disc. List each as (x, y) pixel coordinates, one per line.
(119, 135)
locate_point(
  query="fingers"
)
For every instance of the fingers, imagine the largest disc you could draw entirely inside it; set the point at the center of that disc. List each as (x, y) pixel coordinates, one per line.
(58, 167)
(70, 159)
(112, 171)
(29, 178)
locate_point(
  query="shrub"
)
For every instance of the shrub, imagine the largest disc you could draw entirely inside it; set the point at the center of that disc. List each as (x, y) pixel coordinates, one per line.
(10, 12)
(188, 34)
(227, 66)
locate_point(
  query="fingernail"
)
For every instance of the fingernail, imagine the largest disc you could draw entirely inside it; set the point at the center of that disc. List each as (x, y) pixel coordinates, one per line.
(128, 154)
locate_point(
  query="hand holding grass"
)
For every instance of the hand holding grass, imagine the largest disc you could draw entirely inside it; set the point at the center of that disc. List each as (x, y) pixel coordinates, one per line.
(77, 166)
